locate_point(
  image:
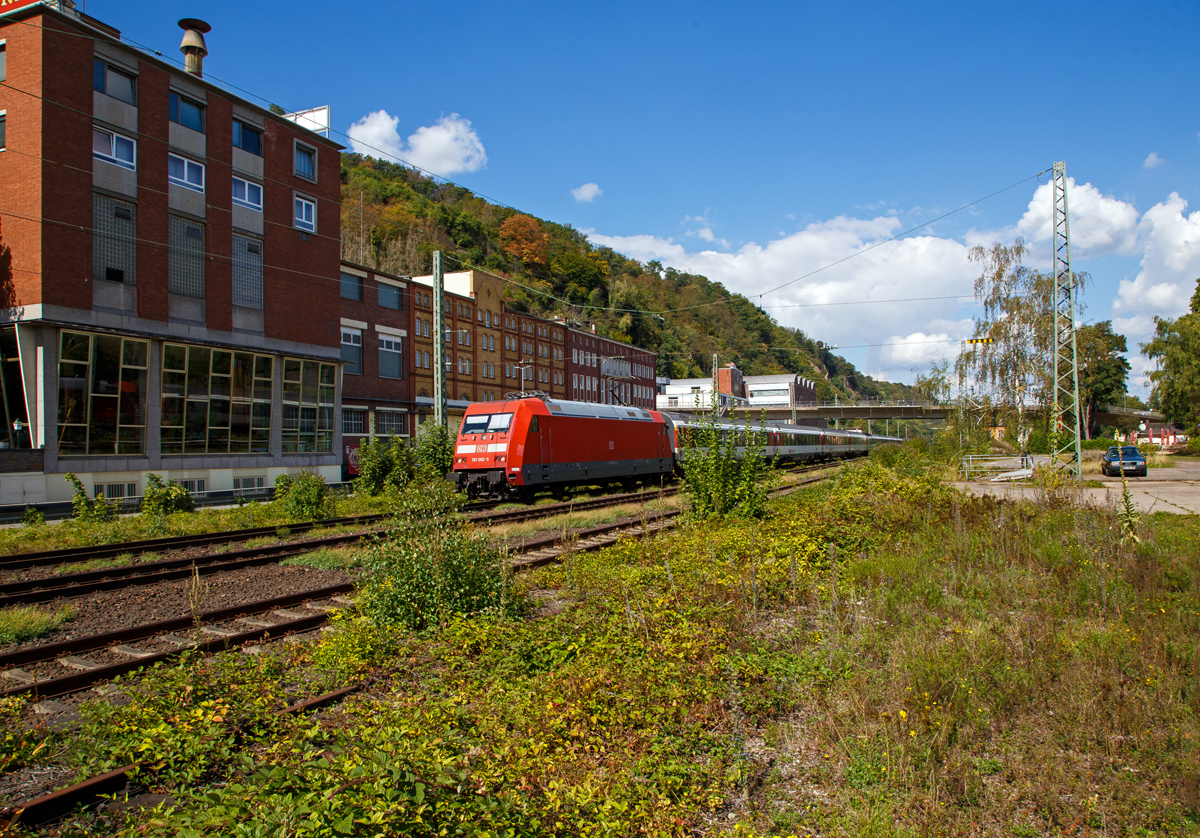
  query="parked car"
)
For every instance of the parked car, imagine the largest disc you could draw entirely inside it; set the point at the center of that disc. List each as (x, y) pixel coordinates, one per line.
(1125, 457)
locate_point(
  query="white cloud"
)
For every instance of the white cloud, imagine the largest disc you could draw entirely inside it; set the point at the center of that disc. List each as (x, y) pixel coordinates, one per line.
(1170, 265)
(450, 145)
(919, 266)
(1152, 160)
(915, 332)
(1099, 223)
(587, 193)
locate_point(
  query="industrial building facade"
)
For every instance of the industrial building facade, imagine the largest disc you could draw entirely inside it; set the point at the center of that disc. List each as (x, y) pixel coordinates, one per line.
(168, 253)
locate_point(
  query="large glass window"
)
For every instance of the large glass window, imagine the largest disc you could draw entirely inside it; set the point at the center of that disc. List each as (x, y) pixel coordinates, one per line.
(101, 394)
(3, 61)
(389, 358)
(114, 240)
(247, 272)
(187, 113)
(215, 401)
(247, 138)
(113, 82)
(114, 148)
(308, 393)
(185, 257)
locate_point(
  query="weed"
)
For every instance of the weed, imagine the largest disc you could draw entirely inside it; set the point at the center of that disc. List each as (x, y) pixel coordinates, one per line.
(25, 622)
(96, 564)
(325, 558)
(165, 498)
(302, 497)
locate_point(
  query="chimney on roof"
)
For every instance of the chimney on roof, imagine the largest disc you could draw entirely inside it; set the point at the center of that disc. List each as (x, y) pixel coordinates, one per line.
(193, 46)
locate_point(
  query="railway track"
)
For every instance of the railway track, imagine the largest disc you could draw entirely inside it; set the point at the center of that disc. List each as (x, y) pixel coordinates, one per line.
(240, 626)
(244, 624)
(73, 555)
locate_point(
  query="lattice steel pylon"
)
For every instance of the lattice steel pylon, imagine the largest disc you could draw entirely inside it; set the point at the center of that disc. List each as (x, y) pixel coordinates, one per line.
(1065, 448)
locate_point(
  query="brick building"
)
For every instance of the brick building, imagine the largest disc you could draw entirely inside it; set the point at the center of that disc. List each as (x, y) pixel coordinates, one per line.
(387, 336)
(170, 256)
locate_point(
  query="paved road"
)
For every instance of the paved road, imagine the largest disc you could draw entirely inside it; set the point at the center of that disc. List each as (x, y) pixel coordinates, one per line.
(1164, 490)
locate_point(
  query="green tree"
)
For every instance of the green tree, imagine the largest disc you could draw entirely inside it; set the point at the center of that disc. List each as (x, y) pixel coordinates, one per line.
(1012, 357)
(1175, 348)
(1103, 371)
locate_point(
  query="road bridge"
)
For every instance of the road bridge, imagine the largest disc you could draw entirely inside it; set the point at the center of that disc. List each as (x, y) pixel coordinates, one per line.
(841, 410)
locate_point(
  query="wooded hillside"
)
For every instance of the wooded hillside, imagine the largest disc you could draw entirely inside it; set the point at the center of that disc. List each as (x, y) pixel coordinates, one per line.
(394, 218)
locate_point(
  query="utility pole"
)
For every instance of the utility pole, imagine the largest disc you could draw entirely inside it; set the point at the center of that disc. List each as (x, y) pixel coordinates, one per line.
(1065, 418)
(439, 342)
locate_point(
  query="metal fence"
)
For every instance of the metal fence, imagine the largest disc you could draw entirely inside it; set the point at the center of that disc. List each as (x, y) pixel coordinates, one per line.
(977, 466)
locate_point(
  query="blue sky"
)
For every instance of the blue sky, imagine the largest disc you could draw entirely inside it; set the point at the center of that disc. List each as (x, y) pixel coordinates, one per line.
(759, 142)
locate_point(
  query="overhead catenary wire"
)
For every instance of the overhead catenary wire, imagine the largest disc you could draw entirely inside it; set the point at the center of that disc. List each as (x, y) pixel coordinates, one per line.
(610, 309)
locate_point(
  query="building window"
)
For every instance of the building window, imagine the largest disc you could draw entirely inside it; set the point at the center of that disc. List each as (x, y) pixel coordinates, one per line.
(389, 358)
(306, 162)
(308, 398)
(114, 148)
(247, 272)
(187, 113)
(389, 423)
(3, 126)
(101, 394)
(185, 257)
(215, 401)
(354, 421)
(186, 173)
(306, 214)
(193, 485)
(247, 194)
(114, 491)
(389, 296)
(113, 82)
(247, 138)
(114, 240)
(352, 286)
(246, 484)
(3, 61)
(352, 350)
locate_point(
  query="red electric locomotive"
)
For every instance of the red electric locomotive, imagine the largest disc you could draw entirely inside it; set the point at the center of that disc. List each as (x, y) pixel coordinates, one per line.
(519, 446)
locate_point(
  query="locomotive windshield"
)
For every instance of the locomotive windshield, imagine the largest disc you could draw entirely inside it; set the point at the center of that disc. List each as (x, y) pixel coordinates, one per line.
(486, 423)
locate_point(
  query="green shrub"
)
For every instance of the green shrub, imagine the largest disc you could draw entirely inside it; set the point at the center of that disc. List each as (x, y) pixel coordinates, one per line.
(165, 498)
(435, 451)
(1194, 443)
(302, 497)
(385, 464)
(430, 567)
(33, 517)
(92, 510)
(718, 482)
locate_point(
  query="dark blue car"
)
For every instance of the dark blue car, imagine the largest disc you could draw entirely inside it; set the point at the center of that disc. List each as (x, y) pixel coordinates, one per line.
(1123, 458)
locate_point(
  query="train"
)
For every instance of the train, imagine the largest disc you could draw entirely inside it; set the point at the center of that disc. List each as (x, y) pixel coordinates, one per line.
(520, 446)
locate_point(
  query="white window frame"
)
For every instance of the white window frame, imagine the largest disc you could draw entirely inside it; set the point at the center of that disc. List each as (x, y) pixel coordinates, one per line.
(387, 343)
(111, 157)
(184, 182)
(298, 220)
(353, 337)
(247, 203)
